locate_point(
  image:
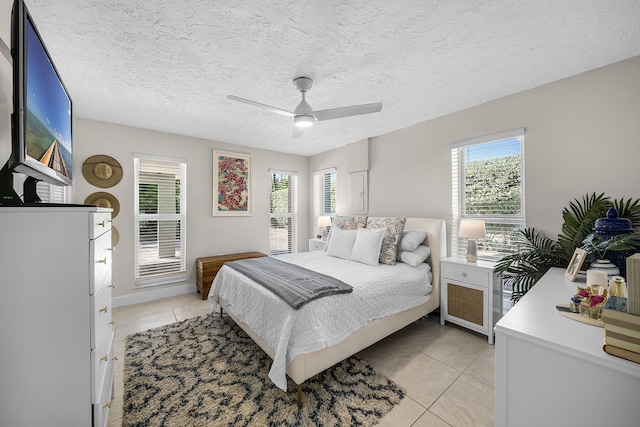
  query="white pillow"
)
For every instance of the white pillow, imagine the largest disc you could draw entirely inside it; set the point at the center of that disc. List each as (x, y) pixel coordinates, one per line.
(410, 240)
(416, 257)
(341, 243)
(366, 248)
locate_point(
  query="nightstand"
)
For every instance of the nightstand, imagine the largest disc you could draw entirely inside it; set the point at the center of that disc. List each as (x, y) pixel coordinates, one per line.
(317, 244)
(471, 295)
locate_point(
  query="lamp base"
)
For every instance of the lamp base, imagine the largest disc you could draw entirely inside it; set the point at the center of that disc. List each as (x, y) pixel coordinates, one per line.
(472, 252)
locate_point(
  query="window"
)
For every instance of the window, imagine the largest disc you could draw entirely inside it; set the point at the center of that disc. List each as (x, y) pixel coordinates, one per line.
(160, 218)
(324, 193)
(283, 203)
(50, 193)
(488, 184)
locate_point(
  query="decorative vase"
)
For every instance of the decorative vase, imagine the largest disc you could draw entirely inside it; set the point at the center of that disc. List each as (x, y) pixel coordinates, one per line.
(605, 266)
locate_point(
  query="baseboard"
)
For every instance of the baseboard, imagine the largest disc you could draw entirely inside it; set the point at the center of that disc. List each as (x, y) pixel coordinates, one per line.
(153, 295)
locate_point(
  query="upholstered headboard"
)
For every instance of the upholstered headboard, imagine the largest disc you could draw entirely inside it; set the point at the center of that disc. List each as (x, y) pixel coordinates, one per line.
(437, 241)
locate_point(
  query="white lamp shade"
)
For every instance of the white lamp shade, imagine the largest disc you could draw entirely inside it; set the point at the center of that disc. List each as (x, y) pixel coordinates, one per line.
(472, 229)
(324, 221)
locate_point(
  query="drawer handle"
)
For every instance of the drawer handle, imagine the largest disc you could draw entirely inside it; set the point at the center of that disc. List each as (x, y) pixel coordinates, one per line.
(464, 274)
(105, 308)
(102, 261)
(101, 224)
(115, 358)
(107, 405)
(112, 323)
(112, 286)
(104, 358)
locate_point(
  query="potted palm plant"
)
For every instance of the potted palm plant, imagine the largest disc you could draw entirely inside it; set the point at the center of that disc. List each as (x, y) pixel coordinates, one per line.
(538, 253)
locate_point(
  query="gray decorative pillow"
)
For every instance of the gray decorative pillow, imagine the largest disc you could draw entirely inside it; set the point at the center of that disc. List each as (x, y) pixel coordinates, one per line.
(346, 223)
(410, 240)
(394, 227)
(416, 257)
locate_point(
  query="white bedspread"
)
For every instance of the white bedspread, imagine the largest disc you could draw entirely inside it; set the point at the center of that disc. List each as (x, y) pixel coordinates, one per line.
(378, 291)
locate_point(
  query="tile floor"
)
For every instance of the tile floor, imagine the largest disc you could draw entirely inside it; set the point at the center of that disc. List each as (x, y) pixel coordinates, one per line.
(448, 372)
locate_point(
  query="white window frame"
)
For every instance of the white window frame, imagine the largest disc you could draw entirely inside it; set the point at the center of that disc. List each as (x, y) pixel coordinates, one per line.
(320, 179)
(292, 215)
(172, 275)
(458, 196)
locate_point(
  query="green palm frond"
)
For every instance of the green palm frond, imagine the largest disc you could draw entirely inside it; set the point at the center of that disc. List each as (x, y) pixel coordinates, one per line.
(629, 209)
(523, 269)
(579, 219)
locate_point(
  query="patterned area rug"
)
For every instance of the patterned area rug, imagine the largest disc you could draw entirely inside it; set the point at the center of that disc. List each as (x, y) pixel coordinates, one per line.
(206, 371)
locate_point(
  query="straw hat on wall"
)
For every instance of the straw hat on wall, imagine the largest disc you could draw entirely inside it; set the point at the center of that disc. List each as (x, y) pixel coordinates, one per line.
(102, 171)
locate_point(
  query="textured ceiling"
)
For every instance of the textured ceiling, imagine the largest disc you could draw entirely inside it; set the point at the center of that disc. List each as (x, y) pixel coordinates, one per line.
(168, 65)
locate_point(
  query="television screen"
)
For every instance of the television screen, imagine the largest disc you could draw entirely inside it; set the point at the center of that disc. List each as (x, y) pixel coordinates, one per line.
(42, 131)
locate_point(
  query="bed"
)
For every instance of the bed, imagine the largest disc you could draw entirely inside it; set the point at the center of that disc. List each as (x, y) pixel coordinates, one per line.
(305, 342)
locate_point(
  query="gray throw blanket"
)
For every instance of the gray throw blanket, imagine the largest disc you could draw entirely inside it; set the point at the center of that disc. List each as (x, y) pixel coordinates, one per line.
(294, 284)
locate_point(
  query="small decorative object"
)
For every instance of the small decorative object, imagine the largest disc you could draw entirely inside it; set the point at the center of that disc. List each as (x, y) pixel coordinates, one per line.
(618, 287)
(231, 184)
(103, 200)
(102, 171)
(324, 222)
(596, 277)
(590, 301)
(472, 229)
(575, 304)
(605, 266)
(612, 239)
(574, 265)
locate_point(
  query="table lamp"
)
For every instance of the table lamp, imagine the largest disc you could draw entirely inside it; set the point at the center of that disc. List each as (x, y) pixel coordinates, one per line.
(324, 222)
(472, 229)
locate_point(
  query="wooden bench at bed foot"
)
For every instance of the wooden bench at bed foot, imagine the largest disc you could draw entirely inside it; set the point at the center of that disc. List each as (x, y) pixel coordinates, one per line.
(208, 267)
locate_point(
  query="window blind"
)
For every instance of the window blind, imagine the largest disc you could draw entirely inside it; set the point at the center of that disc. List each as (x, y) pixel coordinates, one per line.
(324, 193)
(283, 211)
(160, 216)
(488, 184)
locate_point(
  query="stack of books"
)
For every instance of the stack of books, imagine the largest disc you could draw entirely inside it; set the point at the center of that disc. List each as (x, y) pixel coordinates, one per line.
(633, 284)
(621, 330)
(621, 317)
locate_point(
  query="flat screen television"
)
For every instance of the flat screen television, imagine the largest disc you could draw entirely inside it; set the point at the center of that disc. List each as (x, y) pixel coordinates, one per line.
(42, 109)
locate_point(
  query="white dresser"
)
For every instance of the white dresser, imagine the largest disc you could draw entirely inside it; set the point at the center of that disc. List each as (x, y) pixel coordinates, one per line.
(552, 371)
(56, 332)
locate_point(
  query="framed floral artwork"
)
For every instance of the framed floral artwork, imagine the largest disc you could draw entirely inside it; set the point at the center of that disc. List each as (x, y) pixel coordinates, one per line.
(231, 184)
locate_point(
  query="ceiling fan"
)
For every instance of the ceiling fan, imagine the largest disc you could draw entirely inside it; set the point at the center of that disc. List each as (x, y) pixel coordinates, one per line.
(304, 116)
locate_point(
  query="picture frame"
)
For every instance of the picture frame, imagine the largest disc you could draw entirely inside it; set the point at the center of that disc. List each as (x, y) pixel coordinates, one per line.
(232, 177)
(576, 262)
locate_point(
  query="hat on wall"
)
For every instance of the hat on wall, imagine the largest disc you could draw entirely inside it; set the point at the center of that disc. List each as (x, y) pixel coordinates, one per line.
(102, 171)
(104, 200)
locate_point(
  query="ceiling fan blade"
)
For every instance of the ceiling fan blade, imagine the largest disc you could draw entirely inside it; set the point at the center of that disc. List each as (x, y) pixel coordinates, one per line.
(257, 104)
(354, 110)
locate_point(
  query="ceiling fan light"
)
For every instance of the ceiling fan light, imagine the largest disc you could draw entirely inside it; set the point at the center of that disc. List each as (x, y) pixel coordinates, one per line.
(303, 121)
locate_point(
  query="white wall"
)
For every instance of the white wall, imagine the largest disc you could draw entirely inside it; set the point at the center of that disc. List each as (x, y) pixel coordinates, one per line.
(206, 235)
(582, 136)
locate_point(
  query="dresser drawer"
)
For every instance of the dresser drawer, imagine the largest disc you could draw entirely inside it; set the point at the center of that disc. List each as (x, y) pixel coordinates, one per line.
(99, 223)
(100, 262)
(101, 359)
(101, 314)
(468, 275)
(102, 406)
